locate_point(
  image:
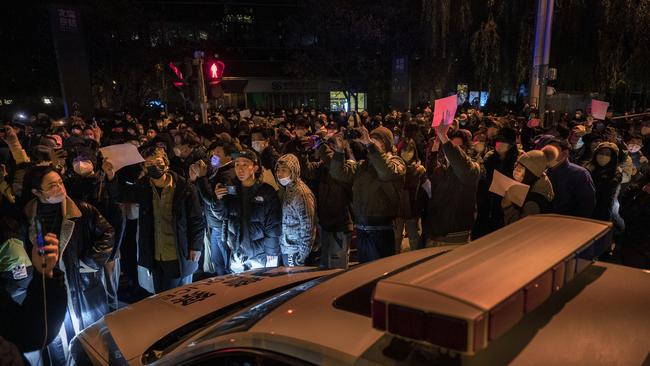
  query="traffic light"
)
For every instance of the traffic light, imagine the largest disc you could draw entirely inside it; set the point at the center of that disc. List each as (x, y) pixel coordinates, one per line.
(177, 76)
(214, 71)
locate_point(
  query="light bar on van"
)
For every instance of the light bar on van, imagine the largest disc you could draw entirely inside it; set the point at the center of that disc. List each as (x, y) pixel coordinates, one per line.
(470, 296)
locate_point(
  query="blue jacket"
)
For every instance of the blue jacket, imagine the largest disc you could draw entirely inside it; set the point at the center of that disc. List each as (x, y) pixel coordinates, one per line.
(575, 193)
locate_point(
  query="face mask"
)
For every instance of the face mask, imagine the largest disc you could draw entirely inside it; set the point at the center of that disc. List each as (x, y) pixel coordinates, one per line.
(579, 144)
(57, 197)
(479, 147)
(645, 131)
(634, 148)
(215, 161)
(83, 168)
(155, 171)
(407, 155)
(284, 181)
(518, 174)
(259, 146)
(603, 160)
(177, 151)
(578, 115)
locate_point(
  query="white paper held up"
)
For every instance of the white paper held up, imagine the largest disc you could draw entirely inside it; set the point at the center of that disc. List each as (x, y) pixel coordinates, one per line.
(599, 109)
(122, 155)
(502, 184)
(444, 108)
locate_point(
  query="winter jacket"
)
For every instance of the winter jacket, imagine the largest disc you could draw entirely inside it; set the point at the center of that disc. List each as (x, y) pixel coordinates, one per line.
(15, 269)
(224, 175)
(538, 201)
(607, 183)
(298, 214)
(334, 197)
(574, 190)
(635, 210)
(93, 191)
(264, 226)
(85, 244)
(376, 184)
(454, 181)
(187, 214)
(22, 324)
(412, 197)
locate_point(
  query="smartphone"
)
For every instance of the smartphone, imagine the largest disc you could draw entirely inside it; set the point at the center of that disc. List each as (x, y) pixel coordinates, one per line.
(232, 190)
(40, 241)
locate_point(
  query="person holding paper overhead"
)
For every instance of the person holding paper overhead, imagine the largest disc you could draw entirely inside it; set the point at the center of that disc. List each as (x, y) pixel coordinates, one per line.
(529, 170)
(454, 180)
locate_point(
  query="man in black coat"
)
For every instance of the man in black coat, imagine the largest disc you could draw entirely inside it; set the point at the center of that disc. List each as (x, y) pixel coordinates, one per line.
(221, 170)
(251, 215)
(171, 224)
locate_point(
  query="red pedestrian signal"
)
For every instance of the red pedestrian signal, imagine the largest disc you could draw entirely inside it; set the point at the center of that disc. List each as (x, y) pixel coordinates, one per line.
(215, 71)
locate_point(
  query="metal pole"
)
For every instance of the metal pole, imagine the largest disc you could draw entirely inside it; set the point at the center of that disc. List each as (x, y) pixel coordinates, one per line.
(632, 115)
(203, 99)
(541, 55)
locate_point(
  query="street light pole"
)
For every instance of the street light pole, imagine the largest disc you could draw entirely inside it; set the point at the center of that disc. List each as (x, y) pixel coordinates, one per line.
(203, 99)
(541, 55)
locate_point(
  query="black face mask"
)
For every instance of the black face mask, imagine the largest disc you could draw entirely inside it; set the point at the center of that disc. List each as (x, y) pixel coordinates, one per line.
(155, 171)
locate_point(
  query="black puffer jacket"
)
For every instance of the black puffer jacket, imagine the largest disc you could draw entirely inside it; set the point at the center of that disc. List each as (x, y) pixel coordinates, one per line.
(264, 226)
(187, 214)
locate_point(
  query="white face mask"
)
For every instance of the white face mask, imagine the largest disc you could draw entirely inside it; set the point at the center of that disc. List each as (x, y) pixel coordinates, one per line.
(259, 146)
(579, 144)
(603, 160)
(519, 174)
(634, 148)
(177, 151)
(284, 181)
(56, 198)
(83, 168)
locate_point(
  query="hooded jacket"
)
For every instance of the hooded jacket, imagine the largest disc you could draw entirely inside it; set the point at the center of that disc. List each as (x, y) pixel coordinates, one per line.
(298, 213)
(607, 180)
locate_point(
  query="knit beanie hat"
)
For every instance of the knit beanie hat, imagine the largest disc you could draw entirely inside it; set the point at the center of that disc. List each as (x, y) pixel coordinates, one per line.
(536, 161)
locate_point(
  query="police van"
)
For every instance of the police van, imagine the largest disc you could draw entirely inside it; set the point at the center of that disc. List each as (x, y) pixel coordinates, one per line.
(531, 293)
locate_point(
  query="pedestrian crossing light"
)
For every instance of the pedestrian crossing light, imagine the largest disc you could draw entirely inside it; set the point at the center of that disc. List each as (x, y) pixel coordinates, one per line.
(215, 71)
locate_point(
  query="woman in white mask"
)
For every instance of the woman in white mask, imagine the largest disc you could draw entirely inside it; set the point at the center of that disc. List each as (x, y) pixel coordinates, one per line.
(85, 243)
(530, 170)
(298, 213)
(607, 177)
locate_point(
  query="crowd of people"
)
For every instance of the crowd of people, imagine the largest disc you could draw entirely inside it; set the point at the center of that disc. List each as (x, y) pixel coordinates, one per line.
(284, 188)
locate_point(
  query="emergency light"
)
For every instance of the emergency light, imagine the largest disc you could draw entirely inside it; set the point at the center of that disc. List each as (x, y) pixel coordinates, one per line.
(470, 296)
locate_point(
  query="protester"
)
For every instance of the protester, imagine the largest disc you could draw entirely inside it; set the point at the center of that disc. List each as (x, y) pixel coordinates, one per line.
(171, 224)
(530, 170)
(376, 183)
(251, 216)
(19, 323)
(298, 213)
(221, 170)
(607, 178)
(454, 180)
(572, 184)
(412, 197)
